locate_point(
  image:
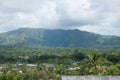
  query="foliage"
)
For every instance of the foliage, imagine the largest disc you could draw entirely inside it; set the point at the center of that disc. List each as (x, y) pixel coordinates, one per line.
(31, 63)
(57, 38)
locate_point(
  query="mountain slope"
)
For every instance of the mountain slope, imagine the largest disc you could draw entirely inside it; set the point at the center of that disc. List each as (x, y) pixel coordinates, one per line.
(56, 38)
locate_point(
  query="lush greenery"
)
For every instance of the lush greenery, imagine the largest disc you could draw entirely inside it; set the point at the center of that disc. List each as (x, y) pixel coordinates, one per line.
(57, 38)
(27, 63)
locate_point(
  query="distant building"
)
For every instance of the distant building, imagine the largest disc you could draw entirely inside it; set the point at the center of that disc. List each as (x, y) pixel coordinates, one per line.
(90, 77)
(32, 65)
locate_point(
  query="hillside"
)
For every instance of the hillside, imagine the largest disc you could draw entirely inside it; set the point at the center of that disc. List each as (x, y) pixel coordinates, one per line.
(56, 38)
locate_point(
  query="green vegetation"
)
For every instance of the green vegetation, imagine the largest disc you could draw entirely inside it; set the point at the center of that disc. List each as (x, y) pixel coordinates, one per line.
(57, 38)
(28, 63)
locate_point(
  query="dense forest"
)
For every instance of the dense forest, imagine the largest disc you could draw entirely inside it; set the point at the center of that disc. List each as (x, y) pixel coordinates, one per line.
(37, 37)
(31, 63)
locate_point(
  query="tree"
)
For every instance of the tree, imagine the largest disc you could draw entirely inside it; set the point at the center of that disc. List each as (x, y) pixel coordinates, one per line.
(43, 75)
(96, 64)
(114, 58)
(113, 70)
(78, 55)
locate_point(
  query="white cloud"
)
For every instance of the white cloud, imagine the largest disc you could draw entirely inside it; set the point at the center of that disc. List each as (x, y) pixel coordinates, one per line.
(100, 16)
(75, 12)
(102, 30)
(44, 17)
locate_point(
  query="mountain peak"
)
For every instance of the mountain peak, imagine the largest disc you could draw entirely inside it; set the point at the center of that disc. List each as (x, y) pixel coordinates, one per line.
(56, 38)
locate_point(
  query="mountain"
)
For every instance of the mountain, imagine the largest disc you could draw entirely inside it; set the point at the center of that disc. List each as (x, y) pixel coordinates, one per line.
(56, 38)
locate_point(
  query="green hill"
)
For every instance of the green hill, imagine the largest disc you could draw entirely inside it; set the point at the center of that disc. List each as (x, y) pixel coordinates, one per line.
(56, 38)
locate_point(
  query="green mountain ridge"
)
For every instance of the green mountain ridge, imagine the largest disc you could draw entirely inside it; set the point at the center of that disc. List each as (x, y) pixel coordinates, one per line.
(56, 38)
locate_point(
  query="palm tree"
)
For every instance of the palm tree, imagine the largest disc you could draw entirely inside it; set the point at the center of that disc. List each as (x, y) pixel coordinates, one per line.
(96, 64)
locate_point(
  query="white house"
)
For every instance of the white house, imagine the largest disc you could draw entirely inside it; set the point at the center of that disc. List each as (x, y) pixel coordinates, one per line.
(90, 77)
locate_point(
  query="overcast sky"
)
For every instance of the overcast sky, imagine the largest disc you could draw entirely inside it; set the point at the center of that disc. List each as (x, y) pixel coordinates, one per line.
(99, 16)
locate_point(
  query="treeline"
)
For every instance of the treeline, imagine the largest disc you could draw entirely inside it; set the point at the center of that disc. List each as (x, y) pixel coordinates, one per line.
(38, 55)
(51, 63)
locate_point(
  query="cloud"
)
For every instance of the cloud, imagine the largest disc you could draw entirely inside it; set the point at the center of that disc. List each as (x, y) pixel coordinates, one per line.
(15, 14)
(74, 13)
(43, 17)
(99, 16)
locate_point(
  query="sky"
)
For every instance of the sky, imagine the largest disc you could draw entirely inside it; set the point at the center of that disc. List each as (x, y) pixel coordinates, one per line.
(98, 16)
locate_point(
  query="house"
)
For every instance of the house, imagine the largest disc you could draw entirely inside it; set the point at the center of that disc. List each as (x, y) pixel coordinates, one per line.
(90, 77)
